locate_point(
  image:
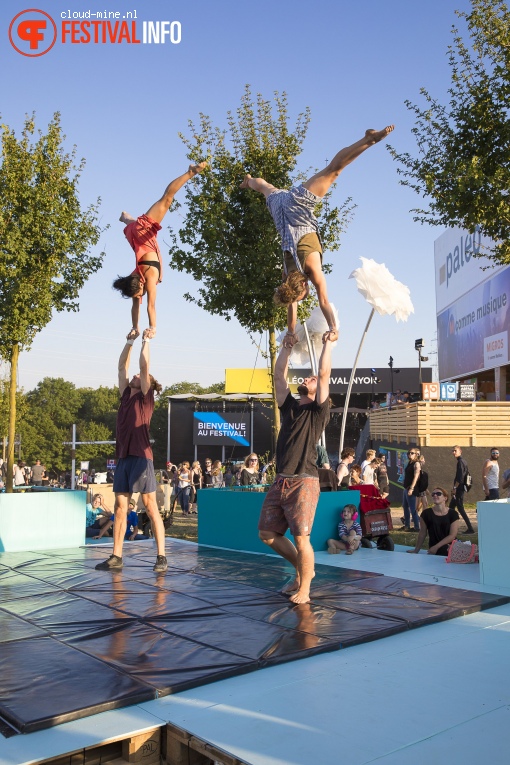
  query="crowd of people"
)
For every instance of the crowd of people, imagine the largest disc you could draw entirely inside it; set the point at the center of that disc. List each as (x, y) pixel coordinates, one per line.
(185, 479)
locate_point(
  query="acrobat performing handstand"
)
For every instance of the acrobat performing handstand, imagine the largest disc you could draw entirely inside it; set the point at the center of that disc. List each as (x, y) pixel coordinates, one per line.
(141, 234)
(293, 215)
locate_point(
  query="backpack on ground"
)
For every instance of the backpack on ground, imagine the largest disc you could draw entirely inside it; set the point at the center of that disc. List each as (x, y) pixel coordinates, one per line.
(422, 484)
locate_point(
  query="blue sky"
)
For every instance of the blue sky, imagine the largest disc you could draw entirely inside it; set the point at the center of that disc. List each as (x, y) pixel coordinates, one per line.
(123, 106)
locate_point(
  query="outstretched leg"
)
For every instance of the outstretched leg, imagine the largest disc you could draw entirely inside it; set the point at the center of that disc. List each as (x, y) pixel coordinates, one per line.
(160, 208)
(320, 183)
(257, 184)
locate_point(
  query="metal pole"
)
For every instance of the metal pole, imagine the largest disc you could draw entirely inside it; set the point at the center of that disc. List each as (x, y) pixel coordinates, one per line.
(419, 367)
(73, 459)
(251, 426)
(349, 387)
(168, 433)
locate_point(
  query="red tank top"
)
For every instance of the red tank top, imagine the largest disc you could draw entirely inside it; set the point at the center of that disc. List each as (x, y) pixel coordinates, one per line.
(142, 236)
(133, 422)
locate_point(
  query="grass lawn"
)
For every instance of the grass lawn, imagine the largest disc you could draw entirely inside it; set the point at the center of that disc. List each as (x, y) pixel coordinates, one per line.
(185, 527)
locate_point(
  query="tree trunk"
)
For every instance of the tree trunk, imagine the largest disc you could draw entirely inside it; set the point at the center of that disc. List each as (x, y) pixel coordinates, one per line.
(272, 357)
(12, 417)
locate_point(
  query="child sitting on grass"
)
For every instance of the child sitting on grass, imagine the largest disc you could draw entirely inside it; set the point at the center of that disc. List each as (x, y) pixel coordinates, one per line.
(349, 533)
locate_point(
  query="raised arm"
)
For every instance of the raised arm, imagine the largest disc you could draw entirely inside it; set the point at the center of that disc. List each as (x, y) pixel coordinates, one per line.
(280, 375)
(145, 380)
(316, 275)
(151, 287)
(324, 372)
(124, 365)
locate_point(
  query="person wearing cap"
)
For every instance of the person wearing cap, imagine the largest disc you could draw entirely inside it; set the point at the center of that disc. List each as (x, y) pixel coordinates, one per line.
(490, 475)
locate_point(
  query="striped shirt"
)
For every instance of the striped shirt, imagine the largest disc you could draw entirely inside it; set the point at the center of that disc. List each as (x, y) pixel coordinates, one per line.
(293, 216)
(343, 531)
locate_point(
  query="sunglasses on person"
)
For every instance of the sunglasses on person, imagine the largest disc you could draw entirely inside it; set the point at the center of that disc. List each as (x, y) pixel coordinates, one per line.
(253, 459)
(437, 494)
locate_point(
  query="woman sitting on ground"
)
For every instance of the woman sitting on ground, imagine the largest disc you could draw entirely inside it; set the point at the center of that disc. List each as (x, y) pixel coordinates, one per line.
(250, 474)
(440, 522)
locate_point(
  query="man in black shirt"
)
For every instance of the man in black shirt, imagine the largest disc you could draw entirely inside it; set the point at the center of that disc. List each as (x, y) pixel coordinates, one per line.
(457, 500)
(291, 501)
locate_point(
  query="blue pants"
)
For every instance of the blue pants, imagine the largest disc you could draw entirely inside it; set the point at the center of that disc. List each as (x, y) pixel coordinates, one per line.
(183, 497)
(409, 505)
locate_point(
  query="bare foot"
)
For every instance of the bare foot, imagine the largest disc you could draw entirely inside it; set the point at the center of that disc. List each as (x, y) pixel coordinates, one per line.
(348, 551)
(333, 550)
(291, 586)
(149, 333)
(126, 218)
(379, 135)
(133, 334)
(196, 169)
(300, 597)
(245, 184)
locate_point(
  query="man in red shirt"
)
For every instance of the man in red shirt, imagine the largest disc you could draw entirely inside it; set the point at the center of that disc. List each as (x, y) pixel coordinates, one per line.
(135, 467)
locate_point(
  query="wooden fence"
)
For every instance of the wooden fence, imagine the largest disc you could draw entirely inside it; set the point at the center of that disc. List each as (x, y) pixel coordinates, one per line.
(444, 423)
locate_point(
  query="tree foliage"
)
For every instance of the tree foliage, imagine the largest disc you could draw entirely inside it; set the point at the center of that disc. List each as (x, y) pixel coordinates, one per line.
(463, 167)
(45, 241)
(228, 241)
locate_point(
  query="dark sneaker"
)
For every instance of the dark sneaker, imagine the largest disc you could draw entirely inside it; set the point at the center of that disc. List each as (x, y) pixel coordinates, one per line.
(468, 531)
(114, 563)
(161, 564)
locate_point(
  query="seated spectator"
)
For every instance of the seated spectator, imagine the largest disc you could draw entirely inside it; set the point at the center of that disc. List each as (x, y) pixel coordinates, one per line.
(250, 472)
(131, 528)
(98, 515)
(355, 475)
(440, 522)
(349, 533)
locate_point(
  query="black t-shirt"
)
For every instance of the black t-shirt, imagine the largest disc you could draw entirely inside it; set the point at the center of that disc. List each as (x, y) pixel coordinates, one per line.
(382, 475)
(302, 426)
(438, 526)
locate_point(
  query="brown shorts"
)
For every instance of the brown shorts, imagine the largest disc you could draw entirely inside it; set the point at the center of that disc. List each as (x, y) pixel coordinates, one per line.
(290, 503)
(307, 244)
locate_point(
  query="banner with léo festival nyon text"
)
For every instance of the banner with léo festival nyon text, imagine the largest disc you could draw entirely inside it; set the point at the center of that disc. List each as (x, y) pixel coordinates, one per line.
(221, 428)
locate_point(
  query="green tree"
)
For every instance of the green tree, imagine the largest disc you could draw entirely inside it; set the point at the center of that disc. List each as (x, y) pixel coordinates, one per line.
(463, 167)
(45, 238)
(228, 240)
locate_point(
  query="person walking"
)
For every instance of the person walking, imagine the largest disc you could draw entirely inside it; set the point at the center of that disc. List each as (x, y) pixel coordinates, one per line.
(135, 466)
(490, 475)
(292, 500)
(459, 482)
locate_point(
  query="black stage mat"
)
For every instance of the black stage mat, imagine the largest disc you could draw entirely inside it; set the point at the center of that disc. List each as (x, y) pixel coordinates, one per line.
(75, 641)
